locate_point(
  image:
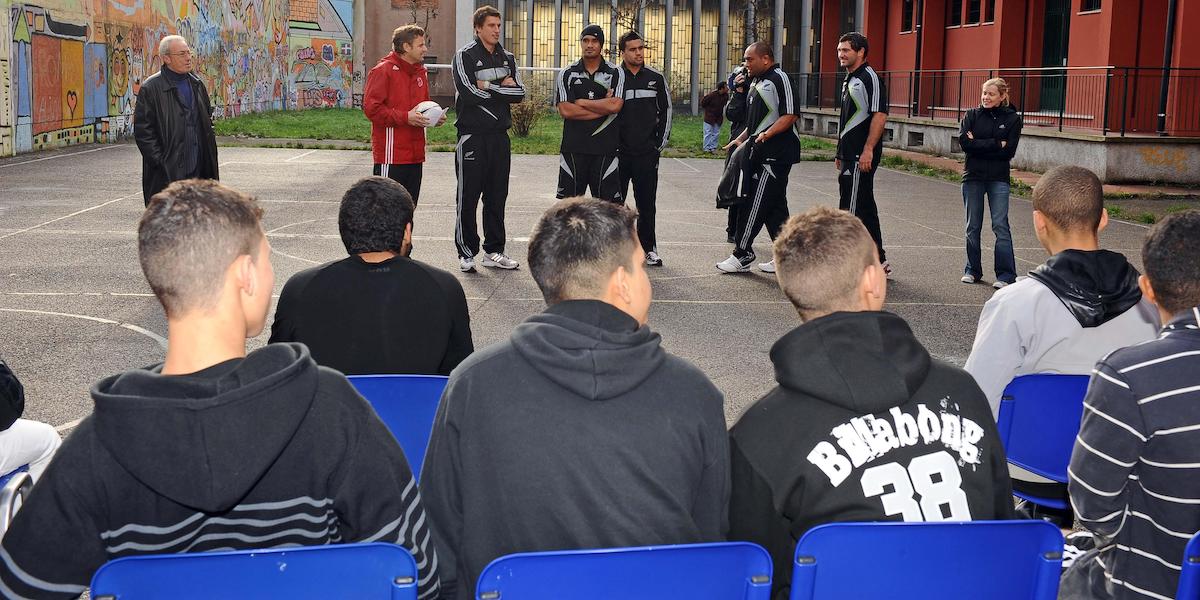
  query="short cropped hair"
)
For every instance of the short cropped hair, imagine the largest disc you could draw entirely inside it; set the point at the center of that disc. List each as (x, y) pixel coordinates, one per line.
(189, 235)
(857, 41)
(406, 34)
(482, 13)
(1171, 255)
(578, 244)
(627, 37)
(762, 49)
(373, 215)
(1071, 197)
(820, 256)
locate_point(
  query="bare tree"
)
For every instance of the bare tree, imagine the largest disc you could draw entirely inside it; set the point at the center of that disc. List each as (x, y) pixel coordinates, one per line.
(758, 17)
(422, 12)
(626, 14)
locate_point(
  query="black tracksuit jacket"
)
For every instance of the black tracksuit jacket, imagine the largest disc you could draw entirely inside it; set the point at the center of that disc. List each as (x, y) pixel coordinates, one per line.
(986, 160)
(484, 111)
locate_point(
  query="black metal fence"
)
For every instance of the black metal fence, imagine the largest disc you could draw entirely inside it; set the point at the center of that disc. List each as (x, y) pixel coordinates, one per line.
(1117, 100)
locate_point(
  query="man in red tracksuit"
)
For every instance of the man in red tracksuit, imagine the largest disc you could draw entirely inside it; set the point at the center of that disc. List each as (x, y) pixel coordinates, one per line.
(395, 87)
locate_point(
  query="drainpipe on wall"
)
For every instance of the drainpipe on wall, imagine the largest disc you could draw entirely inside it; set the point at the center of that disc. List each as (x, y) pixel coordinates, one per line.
(915, 86)
(1168, 51)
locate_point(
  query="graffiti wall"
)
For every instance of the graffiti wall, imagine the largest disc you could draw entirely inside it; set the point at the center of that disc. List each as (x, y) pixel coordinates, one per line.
(70, 70)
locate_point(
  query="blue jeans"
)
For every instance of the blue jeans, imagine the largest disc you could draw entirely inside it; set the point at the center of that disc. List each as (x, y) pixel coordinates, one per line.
(712, 133)
(997, 199)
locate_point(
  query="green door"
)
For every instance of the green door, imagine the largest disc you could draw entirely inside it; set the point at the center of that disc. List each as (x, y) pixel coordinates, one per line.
(1054, 54)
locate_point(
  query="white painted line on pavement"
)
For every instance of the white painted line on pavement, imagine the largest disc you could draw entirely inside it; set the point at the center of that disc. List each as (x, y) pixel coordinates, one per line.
(694, 169)
(70, 425)
(162, 341)
(66, 155)
(299, 156)
(78, 212)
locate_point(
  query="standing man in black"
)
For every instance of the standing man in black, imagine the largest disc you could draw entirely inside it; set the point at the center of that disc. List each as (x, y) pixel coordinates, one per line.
(735, 111)
(172, 122)
(645, 126)
(864, 113)
(589, 95)
(771, 129)
(486, 82)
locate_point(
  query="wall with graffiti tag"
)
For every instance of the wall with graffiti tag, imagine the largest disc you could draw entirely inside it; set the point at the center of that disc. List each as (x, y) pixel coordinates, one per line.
(70, 70)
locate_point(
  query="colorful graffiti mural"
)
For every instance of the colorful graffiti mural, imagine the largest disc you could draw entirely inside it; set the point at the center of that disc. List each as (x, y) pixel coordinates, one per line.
(70, 70)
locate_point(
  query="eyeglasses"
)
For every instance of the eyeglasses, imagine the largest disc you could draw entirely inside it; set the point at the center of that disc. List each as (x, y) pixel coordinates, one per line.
(180, 53)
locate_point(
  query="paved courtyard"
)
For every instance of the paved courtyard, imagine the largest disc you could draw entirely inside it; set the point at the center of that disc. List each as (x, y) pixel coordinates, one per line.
(74, 306)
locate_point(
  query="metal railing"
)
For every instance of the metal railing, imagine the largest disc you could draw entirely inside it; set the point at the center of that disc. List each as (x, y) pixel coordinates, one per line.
(1117, 100)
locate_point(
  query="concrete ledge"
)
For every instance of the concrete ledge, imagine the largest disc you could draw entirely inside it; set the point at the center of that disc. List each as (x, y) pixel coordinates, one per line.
(1115, 159)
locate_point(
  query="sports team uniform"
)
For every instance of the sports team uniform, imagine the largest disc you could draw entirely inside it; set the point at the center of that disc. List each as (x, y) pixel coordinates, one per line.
(394, 87)
(588, 154)
(645, 126)
(863, 426)
(483, 155)
(769, 97)
(863, 95)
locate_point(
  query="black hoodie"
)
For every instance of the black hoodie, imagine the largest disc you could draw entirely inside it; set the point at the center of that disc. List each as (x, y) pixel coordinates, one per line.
(265, 451)
(986, 159)
(580, 431)
(1095, 285)
(864, 426)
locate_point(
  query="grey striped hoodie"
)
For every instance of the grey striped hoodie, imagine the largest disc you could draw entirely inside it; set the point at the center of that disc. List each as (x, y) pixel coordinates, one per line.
(266, 451)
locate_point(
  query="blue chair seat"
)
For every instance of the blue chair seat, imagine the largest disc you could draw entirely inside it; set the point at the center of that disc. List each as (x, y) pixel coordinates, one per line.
(350, 571)
(1189, 578)
(407, 404)
(719, 571)
(981, 560)
(1038, 422)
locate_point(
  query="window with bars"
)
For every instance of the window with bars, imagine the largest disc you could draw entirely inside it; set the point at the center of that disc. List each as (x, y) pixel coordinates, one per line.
(974, 7)
(954, 13)
(906, 16)
(1088, 5)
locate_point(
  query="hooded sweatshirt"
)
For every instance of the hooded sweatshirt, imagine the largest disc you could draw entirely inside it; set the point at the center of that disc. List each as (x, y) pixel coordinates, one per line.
(579, 431)
(1067, 315)
(265, 451)
(863, 426)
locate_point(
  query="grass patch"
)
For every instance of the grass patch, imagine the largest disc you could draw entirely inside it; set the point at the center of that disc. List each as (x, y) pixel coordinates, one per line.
(687, 132)
(900, 163)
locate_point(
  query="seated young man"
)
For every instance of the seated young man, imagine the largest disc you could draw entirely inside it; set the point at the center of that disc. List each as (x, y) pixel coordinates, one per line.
(1072, 310)
(22, 442)
(376, 311)
(864, 425)
(214, 448)
(596, 437)
(1134, 479)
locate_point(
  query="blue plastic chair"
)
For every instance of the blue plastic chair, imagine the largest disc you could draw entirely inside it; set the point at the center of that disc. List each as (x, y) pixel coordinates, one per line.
(981, 560)
(720, 571)
(14, 487)
(407, 404)
(1189, 579)
(350, 571)
(1039, 419)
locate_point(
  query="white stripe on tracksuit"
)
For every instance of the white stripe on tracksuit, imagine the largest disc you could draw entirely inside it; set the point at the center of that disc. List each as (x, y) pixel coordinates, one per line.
(462, 174)
(758, 195)
(854, 190)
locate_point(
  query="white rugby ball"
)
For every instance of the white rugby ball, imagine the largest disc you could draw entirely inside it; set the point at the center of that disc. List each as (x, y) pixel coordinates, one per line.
(432, 110)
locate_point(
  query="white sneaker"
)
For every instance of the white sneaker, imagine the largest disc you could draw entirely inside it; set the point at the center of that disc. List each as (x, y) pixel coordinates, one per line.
(968, 279)
(733, 264)
(887, 269)
(999, 284)
(767, 267)
(653, 259)
(466, 264)
(499, 260)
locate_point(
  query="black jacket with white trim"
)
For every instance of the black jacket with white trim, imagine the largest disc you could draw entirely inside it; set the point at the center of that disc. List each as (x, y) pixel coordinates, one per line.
(1135, 470)
(484, 111)
(645, 118)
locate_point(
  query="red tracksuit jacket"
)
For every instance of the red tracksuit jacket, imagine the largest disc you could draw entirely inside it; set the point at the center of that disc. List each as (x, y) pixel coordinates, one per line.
(394, 87)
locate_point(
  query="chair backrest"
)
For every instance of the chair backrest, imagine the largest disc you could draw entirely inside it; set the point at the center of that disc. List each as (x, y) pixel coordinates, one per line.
(720, 571)
(376, 570)
(407, 404)
(14, 487)
(982, 560)
(1039, 419)
(1189, 579)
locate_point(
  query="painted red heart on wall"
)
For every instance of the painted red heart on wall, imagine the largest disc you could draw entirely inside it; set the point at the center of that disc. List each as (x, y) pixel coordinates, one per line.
(72, 101)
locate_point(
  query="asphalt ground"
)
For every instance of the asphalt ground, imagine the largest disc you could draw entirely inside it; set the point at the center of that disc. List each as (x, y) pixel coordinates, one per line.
(75, 308)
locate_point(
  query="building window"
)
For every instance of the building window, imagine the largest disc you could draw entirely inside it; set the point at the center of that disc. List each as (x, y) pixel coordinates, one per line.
(954, 18)
(989, 11)
(906, 16)
(1089, 5)
(973, 9)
